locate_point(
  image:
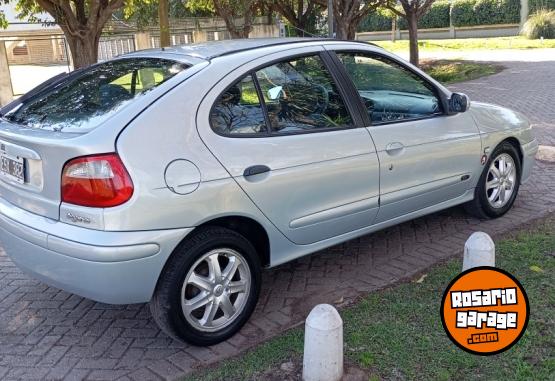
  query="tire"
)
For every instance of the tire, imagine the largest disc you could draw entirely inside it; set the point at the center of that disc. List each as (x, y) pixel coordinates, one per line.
(487, 203)
(196, 261)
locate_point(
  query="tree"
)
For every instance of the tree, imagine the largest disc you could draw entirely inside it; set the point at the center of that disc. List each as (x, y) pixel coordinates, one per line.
(230, 11)
(349, 13)
(3, 21)
(81, 21)
(164, 19)
(412, 11)
(145, 13)
(300, 14)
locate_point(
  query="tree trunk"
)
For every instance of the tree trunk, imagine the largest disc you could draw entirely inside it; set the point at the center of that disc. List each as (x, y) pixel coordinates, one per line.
(341, 30)
(163, 15)
(345, 29)
(412, 22)
(84, 49)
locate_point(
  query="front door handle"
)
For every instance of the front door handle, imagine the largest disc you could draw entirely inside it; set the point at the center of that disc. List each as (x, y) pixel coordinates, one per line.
(394, 148)
(256, 170)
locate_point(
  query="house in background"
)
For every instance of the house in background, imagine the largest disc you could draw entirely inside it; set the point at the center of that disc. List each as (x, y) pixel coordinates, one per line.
(32, 43)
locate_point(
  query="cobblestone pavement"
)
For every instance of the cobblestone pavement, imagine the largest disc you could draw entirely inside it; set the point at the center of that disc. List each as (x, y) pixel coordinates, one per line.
(46, 333)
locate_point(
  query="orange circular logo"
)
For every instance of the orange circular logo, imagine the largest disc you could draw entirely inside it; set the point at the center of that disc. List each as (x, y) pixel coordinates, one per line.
(485, 310)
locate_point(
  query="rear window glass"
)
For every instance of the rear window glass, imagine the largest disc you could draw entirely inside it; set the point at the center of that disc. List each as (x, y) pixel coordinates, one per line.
(83, 102)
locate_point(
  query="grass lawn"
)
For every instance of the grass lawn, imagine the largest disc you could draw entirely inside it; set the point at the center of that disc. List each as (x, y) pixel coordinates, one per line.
(517, 42)
(396, 333)
(449, 71)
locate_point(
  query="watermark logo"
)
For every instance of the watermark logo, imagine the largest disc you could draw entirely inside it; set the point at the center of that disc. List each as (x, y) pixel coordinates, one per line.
(485, 310)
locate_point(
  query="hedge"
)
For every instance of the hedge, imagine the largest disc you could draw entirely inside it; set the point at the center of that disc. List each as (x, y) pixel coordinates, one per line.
(463, 13)
(535, 5)
(377, 21)
(485, 12)
(437, 17)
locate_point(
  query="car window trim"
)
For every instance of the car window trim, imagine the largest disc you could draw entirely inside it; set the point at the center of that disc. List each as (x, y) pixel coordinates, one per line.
(362, 107)
(357, 122)
(254, 80)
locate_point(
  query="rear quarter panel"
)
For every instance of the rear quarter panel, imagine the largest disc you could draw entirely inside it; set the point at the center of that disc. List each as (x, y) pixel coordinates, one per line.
(166, 132)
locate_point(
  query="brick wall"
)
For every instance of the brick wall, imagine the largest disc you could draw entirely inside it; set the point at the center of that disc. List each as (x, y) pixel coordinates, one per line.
(42, 51)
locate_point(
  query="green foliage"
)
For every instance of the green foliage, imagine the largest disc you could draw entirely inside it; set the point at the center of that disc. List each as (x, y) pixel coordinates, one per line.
(376, 21)
(3, 21)
(536, 5)
(145, 12)
(485, 12)
(436, 17)
(199, 5)
(540, 24)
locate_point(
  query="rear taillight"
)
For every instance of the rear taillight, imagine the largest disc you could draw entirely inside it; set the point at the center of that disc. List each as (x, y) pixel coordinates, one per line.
(97, 181)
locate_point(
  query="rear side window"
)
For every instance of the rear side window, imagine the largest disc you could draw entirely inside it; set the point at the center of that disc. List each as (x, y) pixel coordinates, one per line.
(85, 101)
(239, 110)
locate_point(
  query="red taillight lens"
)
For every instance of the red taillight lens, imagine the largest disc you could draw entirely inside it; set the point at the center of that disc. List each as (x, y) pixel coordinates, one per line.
(98, 181)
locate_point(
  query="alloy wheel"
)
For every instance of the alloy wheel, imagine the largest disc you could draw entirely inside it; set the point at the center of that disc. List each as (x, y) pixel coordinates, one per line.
(216, 289)
(501, 180)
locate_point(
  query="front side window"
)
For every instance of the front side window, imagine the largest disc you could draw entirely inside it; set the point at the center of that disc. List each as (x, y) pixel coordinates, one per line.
(300, 95)
(94, 94)
(390, 92)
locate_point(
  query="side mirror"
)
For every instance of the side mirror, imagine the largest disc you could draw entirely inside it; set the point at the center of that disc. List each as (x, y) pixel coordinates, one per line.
(458, 102)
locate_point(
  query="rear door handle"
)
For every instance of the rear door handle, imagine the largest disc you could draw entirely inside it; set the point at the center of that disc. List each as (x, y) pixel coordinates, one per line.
(394, 148)
(256, 170)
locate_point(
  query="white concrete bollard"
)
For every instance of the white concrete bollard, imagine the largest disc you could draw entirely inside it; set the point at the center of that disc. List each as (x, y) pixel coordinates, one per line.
(479, 250)
(323, 345)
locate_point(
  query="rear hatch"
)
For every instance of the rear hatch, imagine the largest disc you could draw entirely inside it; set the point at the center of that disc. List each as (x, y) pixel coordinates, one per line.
(76, 116)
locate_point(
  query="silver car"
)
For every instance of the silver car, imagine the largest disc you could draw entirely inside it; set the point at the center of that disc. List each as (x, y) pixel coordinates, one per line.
(173, 176)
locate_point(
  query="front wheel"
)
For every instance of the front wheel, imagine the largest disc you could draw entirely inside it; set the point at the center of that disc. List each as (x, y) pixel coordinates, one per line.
(498, 185)
(209, 287)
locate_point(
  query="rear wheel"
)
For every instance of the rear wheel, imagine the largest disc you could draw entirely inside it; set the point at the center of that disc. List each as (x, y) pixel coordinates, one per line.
(209, 287)
(498, 185)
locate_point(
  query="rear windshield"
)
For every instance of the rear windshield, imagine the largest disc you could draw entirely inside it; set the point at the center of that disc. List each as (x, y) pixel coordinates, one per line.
(86, 100)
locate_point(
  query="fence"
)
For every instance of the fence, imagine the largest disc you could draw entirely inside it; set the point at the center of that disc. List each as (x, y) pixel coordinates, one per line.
(442, 33)
(112, 46)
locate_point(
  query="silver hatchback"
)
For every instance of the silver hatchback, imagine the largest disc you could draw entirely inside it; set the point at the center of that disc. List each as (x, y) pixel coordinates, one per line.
(173, 176)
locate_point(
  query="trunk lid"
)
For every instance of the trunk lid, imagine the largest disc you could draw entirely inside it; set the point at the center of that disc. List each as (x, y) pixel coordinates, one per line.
(42, 155)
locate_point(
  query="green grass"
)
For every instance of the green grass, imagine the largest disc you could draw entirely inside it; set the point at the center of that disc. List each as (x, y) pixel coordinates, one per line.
(517, 42)
(396, 333)
(449, 71)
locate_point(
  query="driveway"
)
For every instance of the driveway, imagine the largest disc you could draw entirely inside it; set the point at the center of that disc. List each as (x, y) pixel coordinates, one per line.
(48, 333)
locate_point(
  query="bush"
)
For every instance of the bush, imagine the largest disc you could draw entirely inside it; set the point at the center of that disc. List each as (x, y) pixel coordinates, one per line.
(540, 24)
(377, 21)
(485, 12)
(536, 5)
(463, 12)
(437, 17)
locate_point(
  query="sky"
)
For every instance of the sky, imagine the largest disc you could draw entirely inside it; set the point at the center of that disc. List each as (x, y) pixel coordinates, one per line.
(17, 24)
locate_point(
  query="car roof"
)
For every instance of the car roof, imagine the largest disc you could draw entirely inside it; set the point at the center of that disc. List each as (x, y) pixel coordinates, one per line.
(212, 49)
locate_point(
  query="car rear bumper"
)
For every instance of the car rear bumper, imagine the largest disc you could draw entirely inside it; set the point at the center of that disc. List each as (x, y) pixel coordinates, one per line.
(529, 151)
(109, 267)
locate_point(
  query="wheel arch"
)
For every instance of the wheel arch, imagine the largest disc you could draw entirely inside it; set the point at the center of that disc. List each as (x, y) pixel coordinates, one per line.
(249, 228)
(516, 144)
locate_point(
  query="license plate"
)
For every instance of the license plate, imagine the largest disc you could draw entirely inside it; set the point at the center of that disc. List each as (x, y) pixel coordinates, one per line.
(12, 167)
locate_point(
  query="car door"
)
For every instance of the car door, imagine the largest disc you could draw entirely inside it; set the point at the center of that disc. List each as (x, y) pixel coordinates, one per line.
(281, 127)
(426, 156)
